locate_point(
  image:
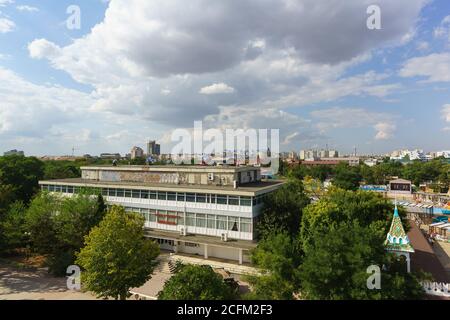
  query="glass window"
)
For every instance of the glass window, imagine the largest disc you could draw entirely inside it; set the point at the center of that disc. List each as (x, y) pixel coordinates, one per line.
(136, 194)
(120, 193)
(111, 192)
(190, 219)
(246, 225)
(211, 223)
(181, 218)
(152, 215)
(221, 199)
(172, 217)
(246, 201)
(57, 188)
(222, 222)
(127, 193)
(104, 192)
(201, 220)
(70, 189)
(162, 195)
(233, 223)
(234, 201)
(51, 188)
(64, 189)
(213, 198)
(153, 195)
(172, 196)
(144, 194)
(181, 196)
(190, 197)
(201, 198)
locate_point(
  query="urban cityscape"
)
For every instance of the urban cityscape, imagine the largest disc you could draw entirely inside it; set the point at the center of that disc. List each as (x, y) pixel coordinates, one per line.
(322, 173)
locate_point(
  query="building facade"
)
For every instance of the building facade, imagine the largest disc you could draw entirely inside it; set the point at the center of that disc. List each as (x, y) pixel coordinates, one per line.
(199, 210)
(136, 153)
(153, 149)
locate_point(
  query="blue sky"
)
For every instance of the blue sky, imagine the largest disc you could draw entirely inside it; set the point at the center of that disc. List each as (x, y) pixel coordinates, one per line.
(137, 70)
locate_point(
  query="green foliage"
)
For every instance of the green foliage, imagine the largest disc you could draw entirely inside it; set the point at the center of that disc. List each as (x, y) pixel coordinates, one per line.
(195, 282)
(116, 256)
(22, 174)
(346, 177)
(12, 228)
(57, 226)
(278, 257)
(282, 210)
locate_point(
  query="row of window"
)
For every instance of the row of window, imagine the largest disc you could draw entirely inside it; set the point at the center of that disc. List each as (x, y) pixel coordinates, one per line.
(163, 195)
(200, 220)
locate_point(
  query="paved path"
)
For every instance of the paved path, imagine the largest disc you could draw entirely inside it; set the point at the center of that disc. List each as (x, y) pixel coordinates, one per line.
(35, 285)
(425, 258)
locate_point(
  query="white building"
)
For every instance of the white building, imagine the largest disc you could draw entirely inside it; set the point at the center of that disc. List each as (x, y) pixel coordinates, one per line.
(137, 152)
(416, 154)
(199, 210)
(445, 154)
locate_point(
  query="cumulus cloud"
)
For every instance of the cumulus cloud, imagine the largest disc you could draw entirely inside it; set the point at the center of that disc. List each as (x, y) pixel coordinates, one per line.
(166, 61)
(6, 25)
(434, 67)
(217, 88)
(27, 8)
(344, 117)
(446, 112)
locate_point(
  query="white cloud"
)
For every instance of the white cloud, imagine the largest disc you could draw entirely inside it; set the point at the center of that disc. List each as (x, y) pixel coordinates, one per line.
(443, 30)
(446, 112)
(42, 48)
(27, 8)
(435, 67)
(216, 88)
(6, 25)
(3, 3)
(344, 117)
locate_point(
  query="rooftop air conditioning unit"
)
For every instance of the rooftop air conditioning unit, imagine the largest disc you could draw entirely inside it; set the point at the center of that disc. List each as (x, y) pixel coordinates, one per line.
(183, 232)
(224, 237)
(211, 176)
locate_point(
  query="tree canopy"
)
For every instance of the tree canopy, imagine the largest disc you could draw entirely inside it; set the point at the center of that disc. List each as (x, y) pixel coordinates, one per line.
(196, 282)
(116, 256)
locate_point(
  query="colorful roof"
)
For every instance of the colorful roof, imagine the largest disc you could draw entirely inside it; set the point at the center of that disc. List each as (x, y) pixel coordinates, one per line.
(396, 239)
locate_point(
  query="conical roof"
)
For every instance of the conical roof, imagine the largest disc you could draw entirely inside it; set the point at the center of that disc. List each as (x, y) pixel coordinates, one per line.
(397, 239)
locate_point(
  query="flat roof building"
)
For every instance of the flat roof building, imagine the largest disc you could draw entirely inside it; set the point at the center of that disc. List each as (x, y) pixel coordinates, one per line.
(200, 210)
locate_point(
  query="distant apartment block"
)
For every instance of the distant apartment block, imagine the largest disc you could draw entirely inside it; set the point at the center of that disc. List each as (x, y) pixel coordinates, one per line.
(153, 149)
(136, 153)
(110, 156)
(14, 153)
(317, 154)
(416, 154)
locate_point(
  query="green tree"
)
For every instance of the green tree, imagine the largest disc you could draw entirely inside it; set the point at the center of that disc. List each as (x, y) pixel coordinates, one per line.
(117, 257)
(194, 282)
(282, 210)
(22, 174)
(61, 170)
(12, 228)
(278, 258)
(346, 177)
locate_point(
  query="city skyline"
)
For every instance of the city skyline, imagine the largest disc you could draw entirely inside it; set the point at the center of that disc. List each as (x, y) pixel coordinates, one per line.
(98, 89)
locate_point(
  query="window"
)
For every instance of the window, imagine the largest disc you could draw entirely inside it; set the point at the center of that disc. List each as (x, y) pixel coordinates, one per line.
(152, 215)
(69, 189)
(51, 188)
(246, 201)
(64, 189)
(144, 194)
(136, 194)
(222, 222)
(246, 225)
(190, 197)
(162, 216)
(181, 218)
(172, 196)
(57, 188)
(127, 193)
(201, 220)
(112, 192)
(234, 201)
(104, 192)
(120, 193)
(233, 223)
(153, 195)
(190, 219)
(181, 197)
(162, 195)
(221, 199)
(211, 221)
(172, 218)
(201, 198)
(213, 198)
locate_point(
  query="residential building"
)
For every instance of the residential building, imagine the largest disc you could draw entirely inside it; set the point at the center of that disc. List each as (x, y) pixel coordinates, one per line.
(136, 152)
(412, 155)
(445, 154)
(153, 149)
(14, 153)
(200, 210)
